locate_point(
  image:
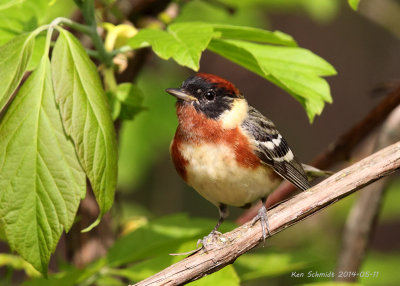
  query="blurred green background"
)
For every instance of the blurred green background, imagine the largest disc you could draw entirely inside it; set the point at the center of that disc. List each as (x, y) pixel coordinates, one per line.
(365, 55)
(362, 47)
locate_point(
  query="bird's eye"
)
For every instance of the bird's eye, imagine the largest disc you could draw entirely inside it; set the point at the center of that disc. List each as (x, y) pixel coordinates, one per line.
(210, 95)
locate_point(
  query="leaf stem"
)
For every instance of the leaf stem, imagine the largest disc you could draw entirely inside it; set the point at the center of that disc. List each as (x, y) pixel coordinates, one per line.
(72, 24)
(64, 21)
(92, 53)
(48, 40)
(121, 50)
(109, 79)
(88, 11)
(90, 29)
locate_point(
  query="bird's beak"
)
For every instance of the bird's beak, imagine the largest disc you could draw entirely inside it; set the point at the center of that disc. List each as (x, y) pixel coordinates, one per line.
(181, 94)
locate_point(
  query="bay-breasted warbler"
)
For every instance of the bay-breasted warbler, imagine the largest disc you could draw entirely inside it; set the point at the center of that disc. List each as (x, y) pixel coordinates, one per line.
(228, 151)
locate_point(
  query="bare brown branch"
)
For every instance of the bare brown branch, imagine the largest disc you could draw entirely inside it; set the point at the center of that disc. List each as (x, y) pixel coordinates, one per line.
(341, 148)
(362, 219)
(246, 237)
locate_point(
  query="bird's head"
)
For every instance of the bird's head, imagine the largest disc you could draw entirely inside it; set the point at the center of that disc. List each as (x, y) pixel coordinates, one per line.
(212, 96)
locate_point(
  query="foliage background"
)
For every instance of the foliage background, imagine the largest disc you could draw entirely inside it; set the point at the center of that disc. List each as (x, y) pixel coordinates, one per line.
(365, 55)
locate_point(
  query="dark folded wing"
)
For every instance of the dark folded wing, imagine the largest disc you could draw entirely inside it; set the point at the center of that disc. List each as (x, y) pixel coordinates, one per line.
(273, 149)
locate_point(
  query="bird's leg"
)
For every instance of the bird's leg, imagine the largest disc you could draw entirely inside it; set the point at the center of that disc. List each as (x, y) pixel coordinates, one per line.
(262, 216)
(223, 213)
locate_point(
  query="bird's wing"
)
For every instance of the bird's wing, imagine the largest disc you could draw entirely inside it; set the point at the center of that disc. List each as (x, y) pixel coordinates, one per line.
(273, 149)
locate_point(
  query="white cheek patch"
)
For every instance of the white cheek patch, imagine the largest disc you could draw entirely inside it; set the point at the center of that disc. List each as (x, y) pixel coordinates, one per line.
(232, 118)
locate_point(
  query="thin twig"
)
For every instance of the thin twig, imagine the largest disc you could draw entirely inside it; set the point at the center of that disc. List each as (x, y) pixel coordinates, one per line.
(246, 237)
(338, 151)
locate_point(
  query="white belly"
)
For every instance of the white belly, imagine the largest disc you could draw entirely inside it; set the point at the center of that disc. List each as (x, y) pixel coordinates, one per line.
(214, 173)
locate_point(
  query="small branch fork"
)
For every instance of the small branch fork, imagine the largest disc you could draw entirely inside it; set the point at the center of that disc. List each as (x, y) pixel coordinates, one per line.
(245, 237)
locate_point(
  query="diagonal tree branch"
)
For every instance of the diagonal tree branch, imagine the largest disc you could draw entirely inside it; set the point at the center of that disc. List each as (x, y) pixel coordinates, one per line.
(235, 243)
(363, 217)
(338, 150)
(341, 148)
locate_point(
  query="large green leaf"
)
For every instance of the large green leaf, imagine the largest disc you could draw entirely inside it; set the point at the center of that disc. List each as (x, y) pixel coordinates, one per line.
(38, 52)
(184, 42)
(41, 180)
(14, 58)
(86, 116)
(272, 55)
(294, 69)
(21, 16)
(237, 55)
(254, 35)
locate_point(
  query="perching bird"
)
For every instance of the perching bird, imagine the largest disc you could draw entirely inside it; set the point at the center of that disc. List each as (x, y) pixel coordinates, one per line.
(228, 151)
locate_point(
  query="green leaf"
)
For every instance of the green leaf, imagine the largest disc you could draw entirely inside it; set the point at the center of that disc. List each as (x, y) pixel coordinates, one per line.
(17, 263)
(254, 35)
(252, 266)
(224, 277)
(147, 267)
(20, 16)
(38, 51)
(86, 116)
(354, 4)
(237, 55)
(294, 69)
(184, 42)
(144, 269)
(41, 180)
(14, 58)
(71, 276)
(127, 101)
(207, 11)
(162, 236)
(108, 280)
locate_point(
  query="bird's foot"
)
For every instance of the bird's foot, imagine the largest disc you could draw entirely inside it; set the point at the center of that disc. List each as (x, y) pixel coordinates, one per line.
(209, 240)
(262, 217)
